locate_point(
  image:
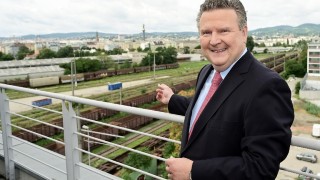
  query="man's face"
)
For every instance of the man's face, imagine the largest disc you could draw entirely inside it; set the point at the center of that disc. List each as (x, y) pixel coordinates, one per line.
(222, 42)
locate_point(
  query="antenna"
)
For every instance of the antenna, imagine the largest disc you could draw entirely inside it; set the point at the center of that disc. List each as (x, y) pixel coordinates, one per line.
(144, 33)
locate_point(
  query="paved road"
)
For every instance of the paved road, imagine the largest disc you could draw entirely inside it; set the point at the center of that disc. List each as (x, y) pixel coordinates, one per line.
(14, 107)
(292, 163)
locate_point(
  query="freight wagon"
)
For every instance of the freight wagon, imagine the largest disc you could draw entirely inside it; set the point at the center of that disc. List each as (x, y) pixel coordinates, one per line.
(45, 81)
(67, 78)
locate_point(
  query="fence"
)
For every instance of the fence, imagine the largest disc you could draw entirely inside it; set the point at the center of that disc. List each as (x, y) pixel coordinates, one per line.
(72, 131)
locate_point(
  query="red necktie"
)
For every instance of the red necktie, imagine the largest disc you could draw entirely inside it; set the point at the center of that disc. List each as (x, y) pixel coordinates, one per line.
(216, 80)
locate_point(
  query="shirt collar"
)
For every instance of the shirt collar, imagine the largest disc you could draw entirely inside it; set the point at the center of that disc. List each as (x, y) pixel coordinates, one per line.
(225, 72)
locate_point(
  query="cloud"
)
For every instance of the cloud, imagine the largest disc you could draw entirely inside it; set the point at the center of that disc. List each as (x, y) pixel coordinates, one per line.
(21, 17)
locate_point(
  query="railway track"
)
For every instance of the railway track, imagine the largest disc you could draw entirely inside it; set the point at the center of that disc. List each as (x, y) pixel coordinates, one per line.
(150, 144)
(156, 126)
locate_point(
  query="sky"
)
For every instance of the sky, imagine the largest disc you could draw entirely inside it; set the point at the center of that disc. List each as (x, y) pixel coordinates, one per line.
(24, 17)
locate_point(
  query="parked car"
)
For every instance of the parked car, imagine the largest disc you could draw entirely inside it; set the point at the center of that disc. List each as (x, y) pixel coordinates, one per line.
(319, 176)
(310, 157)
(305, 170)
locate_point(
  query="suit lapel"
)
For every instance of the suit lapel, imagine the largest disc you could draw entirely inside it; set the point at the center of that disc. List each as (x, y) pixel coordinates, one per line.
(228, 85)
(203, 75)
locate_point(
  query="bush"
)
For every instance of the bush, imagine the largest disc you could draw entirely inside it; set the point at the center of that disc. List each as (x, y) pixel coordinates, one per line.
(312, 109)
(297, 88)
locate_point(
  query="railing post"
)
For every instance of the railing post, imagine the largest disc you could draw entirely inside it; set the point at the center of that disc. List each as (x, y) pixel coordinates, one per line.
(71, 142)
(7, 136)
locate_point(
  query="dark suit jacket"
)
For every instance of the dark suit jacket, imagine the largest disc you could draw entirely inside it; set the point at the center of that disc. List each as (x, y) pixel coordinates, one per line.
(244, 132)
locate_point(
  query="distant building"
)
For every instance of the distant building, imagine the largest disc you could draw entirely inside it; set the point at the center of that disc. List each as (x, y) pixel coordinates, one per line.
(310, 85)
(313, 67)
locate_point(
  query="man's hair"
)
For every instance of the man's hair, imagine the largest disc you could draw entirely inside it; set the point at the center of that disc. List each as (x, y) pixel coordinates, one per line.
(236, 5)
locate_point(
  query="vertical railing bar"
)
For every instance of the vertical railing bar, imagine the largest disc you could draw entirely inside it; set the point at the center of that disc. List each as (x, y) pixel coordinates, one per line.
(6, 136)
(71, 142)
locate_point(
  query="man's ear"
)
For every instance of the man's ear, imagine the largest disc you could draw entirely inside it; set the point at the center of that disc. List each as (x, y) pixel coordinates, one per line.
(245, 33)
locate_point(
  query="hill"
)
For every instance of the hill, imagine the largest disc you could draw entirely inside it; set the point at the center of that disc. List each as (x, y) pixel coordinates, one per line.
(307, 29)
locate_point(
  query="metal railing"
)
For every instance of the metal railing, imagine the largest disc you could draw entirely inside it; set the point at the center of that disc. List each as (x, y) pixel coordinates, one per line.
(72, 131)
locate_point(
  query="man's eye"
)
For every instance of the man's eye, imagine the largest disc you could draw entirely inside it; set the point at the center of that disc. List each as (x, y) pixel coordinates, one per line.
(206, 32)
(224, 31)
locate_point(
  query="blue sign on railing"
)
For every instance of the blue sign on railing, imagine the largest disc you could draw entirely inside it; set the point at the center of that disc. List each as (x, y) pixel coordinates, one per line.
(114, 86)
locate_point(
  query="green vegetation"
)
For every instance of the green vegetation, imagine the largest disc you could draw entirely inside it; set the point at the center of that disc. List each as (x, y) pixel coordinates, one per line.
(297, 88)
(162, 55)
(6, 57)
(298, 67)
(138, 160)
(312, 109)
(23, 52)
(250, 43)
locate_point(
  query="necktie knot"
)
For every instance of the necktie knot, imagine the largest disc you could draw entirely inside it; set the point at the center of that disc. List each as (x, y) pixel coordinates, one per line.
(216, 80)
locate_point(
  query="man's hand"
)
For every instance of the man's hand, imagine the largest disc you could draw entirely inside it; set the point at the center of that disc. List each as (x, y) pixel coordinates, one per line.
(164, 93)
(178, 168)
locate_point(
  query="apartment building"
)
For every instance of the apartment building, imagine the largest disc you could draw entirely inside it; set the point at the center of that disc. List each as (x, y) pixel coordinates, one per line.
(313, 67)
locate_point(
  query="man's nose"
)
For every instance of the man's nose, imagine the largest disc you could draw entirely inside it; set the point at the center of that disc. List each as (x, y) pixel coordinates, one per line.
(215, 39)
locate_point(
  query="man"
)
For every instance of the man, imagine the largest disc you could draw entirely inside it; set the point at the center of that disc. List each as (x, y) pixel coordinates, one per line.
(243, 132)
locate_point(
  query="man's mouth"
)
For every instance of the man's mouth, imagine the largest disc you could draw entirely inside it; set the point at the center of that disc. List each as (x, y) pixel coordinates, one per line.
(218, 50)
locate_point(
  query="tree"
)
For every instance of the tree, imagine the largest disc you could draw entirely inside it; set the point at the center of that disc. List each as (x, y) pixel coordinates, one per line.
(106, 61)
(65, 52)
(23, 52)
(132, 49)
(139, 49)
(170, 55)
(186, 50)
(163, 56)
(262, 45)
(126, 64)
(46, 54)
(250, 43)
(115, 51)
(197, 47)
(83, 65)
(294, 67)
(302, 46)
(6, 57)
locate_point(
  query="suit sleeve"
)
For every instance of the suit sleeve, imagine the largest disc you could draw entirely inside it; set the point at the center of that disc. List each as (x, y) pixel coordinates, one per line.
(178, 104)
(267, 118)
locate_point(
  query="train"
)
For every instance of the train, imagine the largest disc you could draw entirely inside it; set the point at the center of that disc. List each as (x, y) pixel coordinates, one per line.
(63, 79)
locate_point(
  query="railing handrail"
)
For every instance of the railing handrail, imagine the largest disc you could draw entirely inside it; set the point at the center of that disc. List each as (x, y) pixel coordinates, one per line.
(106, 105)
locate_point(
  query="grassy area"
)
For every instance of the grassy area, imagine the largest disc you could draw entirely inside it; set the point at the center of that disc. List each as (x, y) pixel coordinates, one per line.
(312, 109)
(186, 68)
(261, 56)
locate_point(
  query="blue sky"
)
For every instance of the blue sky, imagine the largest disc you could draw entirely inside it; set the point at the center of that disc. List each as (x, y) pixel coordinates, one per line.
(22, 17)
